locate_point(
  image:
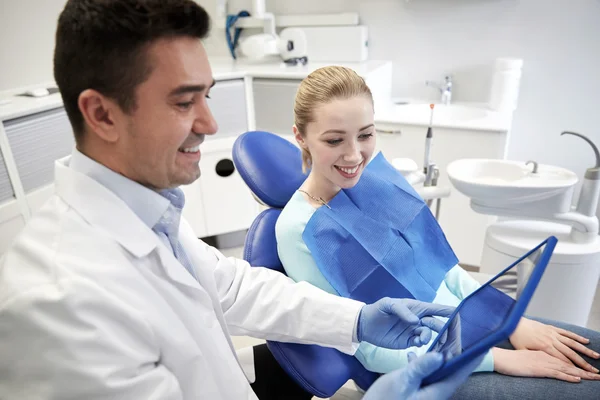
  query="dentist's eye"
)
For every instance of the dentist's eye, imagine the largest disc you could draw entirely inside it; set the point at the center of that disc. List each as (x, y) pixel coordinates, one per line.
(185, 105)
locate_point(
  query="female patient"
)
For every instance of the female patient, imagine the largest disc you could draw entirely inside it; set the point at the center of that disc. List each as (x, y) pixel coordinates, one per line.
(334, 126)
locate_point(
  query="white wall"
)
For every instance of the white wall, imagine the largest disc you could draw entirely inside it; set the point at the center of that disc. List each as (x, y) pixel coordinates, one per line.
(559, 41)
(27, 29)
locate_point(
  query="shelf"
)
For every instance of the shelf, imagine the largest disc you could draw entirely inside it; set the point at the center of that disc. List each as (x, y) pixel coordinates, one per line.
(284, 21)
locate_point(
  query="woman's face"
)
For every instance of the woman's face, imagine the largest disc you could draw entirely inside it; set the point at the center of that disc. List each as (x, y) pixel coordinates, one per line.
(341, 140)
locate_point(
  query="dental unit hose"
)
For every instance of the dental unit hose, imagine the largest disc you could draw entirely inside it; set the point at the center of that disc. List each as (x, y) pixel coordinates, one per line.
(590, 189)
(232, 34)
(428, 144)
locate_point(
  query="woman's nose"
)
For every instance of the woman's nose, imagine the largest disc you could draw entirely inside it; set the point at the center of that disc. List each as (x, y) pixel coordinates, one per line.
(353, 154)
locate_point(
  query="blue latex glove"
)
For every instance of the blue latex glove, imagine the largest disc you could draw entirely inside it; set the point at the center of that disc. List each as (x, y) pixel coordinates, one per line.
(400, 323)
(405, 383)
(452, 345)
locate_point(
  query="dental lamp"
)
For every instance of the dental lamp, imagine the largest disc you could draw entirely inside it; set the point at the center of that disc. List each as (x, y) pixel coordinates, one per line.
(290, 45)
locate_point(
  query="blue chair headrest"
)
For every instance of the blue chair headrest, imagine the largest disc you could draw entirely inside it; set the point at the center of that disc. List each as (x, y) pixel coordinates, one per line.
(270, 165)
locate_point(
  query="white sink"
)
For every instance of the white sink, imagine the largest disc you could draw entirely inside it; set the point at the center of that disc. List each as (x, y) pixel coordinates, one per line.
(443, 112)
(504, 183)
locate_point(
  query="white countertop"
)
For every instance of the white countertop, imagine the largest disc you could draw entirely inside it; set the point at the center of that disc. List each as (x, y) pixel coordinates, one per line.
(466, 116)
(226, 68)
(223, 69)
(387, 116)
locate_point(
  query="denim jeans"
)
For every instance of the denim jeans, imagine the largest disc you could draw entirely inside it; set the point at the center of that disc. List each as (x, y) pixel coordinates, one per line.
(492, 385)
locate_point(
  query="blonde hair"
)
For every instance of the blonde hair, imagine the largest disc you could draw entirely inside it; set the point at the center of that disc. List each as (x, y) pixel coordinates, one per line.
(320, 87)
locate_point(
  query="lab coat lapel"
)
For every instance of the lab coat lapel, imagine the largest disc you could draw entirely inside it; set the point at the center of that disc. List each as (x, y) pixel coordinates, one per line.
(201, 258)
(102, 208)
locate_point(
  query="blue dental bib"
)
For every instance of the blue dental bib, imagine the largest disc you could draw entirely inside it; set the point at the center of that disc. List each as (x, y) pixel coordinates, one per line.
(380, 239)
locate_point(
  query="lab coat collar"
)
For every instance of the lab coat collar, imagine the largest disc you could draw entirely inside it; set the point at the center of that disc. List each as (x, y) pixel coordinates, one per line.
(102, 208)
(148, 205)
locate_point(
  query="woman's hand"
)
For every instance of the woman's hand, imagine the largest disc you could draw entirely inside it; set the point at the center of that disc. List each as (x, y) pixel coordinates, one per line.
(538, 364)
(557, 342)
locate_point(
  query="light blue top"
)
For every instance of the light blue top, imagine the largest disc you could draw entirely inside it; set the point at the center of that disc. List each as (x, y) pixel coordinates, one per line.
(160, 211)
(300, 266)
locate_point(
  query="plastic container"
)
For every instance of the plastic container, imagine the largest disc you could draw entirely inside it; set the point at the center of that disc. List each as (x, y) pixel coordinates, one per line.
(506, 81)
(258, 8)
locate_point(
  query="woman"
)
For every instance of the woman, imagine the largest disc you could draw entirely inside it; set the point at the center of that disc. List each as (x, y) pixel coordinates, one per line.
(334, 126)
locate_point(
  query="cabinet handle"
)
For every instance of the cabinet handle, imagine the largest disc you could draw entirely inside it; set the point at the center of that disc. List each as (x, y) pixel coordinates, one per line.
(225, 167)
(389, 131)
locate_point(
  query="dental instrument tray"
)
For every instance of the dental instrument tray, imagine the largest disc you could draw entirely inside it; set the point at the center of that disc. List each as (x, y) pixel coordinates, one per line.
(532, 265)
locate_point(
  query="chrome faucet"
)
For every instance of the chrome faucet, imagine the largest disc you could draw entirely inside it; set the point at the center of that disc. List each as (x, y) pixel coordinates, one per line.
(445, 89)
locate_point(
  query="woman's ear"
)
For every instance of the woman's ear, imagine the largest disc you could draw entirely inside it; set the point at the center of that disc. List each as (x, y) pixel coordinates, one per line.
(298, 137)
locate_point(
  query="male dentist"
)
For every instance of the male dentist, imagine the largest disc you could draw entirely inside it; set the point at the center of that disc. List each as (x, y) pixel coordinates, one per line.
(107, 293)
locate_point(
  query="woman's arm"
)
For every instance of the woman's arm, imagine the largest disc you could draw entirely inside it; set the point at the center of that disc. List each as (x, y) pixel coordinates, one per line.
(378, 359)
(460, 282)
(300, 266)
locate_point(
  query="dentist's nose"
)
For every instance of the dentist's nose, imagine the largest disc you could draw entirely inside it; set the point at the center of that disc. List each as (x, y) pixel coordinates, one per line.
(205, 121)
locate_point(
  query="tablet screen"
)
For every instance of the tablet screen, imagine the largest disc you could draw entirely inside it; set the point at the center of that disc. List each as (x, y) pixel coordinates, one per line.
(484, 311)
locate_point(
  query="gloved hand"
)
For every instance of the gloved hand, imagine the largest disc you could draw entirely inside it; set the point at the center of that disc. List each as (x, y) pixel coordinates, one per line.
(405, 383)
(400, 323)
(453, 344)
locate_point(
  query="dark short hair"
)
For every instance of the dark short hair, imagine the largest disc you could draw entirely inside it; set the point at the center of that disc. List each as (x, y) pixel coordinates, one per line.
(102, 45)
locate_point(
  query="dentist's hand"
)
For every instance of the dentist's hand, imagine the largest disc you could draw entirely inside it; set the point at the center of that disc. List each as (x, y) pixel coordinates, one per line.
(406, 383)
(400, 323)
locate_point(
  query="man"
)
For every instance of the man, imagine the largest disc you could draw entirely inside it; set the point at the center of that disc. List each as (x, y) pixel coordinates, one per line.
(107, 294)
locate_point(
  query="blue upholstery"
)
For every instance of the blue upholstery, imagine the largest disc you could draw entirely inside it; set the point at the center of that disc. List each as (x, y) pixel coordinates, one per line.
(270, 165)
(272, 168)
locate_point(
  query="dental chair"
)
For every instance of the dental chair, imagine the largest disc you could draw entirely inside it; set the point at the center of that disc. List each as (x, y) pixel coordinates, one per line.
(272, 168)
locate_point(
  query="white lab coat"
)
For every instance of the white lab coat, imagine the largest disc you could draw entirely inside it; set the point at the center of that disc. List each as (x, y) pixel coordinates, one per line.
(94, 306)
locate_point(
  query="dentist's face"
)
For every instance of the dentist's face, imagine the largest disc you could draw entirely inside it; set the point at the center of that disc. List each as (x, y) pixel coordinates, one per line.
(341, 140)
(160, 141)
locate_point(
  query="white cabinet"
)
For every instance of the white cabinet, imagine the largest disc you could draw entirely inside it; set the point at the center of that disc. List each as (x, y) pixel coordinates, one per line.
(194, 210)
(228, 203)
(274, 104)
(220, 202)
(464, 229)
(31, 144)
(36, 141)
(228, 105)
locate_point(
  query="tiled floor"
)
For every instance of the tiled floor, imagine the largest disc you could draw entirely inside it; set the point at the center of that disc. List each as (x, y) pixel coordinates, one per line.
(348, 392)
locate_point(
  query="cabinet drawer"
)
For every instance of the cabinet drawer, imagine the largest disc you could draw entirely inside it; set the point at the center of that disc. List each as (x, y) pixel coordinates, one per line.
(274, 105)
(37, 141)
(6, 190)
(228, 105)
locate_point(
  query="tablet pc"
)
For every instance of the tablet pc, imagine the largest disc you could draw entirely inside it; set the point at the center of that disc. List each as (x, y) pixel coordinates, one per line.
(533, 263)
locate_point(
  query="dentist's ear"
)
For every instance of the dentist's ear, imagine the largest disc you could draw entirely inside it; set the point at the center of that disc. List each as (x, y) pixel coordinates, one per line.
(299, 138)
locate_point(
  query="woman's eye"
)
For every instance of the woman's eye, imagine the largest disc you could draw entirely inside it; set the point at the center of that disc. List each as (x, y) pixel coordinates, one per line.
(333, 142)
(366, 136)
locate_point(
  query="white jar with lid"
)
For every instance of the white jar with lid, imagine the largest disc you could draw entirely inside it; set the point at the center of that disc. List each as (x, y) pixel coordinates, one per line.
(506, 80)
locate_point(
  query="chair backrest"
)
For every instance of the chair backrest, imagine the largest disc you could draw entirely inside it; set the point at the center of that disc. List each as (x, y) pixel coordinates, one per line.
(270, 165)
(272, 168)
